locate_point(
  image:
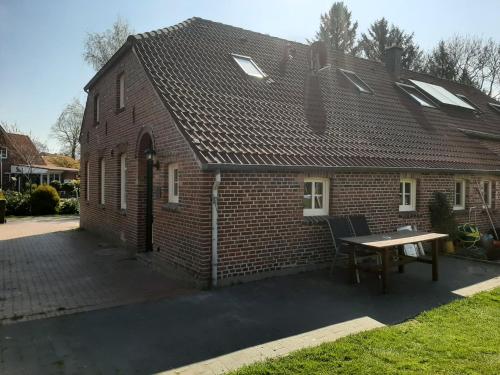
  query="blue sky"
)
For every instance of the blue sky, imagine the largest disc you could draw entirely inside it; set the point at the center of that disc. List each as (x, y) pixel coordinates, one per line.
(41, 65)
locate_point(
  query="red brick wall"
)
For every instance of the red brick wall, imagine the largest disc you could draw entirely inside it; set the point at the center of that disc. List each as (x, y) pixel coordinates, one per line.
(181, 236)
(262, 228)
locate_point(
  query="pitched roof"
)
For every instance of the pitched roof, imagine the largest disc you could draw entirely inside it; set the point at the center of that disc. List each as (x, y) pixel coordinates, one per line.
(61, 162)
(25, 148)
(232, 120)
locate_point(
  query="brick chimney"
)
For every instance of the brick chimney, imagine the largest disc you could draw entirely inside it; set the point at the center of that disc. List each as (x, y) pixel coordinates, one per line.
(393, 57)
(318, 56)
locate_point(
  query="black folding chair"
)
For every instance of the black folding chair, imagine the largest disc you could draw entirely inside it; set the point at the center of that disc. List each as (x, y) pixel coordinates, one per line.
(360, 227)
(339, 227)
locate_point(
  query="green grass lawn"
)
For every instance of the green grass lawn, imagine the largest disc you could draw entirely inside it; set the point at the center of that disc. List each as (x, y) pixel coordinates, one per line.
(462, 337)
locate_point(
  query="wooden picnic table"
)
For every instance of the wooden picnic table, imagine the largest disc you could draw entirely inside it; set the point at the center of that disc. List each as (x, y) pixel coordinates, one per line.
(385, 242)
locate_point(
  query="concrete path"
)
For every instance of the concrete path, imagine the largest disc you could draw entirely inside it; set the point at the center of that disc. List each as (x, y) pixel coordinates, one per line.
(49, 268)
(192, 329)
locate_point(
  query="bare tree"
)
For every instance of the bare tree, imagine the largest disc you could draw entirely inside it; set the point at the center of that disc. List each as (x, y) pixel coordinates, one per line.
(67, 128)
(469, 60)
(23, 150)
(99, 47)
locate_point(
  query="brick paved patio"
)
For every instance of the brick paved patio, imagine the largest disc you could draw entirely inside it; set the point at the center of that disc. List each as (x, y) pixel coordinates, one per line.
(48, 268)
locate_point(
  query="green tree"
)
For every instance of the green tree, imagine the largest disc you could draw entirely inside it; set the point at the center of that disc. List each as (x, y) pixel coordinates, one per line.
(337, 29)
(380, 36)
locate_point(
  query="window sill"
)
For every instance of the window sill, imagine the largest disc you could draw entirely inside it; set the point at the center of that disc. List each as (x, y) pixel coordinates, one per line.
(123, 211)
(408, 213)
(119, 110)
(170, 206)
(312, 220)
(459, 210)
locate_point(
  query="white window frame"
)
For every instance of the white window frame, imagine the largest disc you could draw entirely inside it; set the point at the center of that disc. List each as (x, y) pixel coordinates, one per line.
(173, 183)
(87, 182)
(413, 194)
(460, 206)
(348, 73)
(487, 197)
(103, 181)
(326, 197)
(97, 103)
(260, 73)
(3, 152)
(121, 91)
(123, 181)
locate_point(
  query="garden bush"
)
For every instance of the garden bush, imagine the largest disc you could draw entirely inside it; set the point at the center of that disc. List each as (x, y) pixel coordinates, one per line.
(56, 185)
(68, 187)
(17, 203)
(44, 200)
(69, 206)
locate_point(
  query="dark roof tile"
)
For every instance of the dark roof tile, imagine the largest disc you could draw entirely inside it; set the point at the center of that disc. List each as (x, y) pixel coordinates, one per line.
(230, 118)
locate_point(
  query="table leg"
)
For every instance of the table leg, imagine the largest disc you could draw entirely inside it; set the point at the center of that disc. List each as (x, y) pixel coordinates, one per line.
(385, 269)
(435, 266)
(401, 267)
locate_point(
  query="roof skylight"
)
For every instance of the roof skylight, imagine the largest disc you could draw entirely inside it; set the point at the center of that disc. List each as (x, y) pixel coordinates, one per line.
(495, 106)
(356, 81)
(441, 94)
(416, 95)
(468, 101)
(248, 66)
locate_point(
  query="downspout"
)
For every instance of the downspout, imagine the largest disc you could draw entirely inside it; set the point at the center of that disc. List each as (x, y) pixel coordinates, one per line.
(215, 229)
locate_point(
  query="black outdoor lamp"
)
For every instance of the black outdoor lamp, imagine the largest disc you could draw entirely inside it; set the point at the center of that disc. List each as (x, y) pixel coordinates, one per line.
(150, 157)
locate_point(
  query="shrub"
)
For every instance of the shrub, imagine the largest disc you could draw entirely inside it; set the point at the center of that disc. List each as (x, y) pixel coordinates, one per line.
(56, 184)
(2, 197)
(442, 218)
(68, 187)
(44, 200)
(69, 206)
(17, 203)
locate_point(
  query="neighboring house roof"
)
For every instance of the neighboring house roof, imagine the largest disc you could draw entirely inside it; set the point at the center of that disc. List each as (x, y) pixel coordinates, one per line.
(61, 162)
(232, 120)
(25, 148)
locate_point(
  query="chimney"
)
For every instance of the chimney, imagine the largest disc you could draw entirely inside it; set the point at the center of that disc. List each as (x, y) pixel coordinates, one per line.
(288, 55)
(393, 57)
(317, 56)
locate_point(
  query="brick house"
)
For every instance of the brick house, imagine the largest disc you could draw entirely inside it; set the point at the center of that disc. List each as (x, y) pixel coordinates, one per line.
(20, 159)
(214, 151)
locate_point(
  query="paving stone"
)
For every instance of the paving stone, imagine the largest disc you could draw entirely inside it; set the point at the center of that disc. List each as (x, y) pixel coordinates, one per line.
(49, 268)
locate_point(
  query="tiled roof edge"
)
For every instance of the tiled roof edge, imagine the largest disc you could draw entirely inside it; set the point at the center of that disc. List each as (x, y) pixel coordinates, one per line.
(301, 168)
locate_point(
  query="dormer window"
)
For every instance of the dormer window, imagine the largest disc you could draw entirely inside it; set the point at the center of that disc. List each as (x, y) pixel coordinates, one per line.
(416, 95)
(495, 106)
(248, 66)
(361, 85)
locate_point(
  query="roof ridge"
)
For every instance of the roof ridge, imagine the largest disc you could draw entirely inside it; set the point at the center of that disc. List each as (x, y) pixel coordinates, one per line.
(164, 30)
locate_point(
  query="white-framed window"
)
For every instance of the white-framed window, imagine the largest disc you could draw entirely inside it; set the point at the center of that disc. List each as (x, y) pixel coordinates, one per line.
(87, 181)
(316, 196)
(3, 152)
(407, 194)
(123, 181)
(121, 91)
(486, 192)
(103, 181)
(248, 66)
(97, 109)
(459, 195)
(173, 183)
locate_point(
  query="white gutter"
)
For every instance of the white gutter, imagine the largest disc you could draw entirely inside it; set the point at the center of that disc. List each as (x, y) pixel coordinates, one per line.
(215, 229)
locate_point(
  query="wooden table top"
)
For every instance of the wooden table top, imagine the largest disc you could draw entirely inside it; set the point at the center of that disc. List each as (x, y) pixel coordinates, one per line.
(383, 240)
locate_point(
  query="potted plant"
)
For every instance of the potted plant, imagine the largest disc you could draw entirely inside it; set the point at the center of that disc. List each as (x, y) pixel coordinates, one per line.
(442, 219)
